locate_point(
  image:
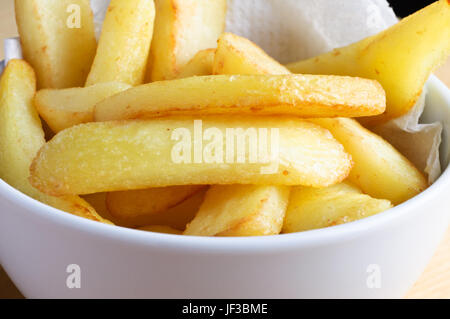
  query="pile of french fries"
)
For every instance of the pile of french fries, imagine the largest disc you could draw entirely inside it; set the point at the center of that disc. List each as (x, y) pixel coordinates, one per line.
(117, 108)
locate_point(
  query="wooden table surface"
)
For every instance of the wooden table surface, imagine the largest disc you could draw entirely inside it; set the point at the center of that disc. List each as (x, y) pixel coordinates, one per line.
(434, 282)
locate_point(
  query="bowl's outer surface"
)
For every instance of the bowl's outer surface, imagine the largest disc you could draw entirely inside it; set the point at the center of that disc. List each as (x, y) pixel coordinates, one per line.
(380, 256)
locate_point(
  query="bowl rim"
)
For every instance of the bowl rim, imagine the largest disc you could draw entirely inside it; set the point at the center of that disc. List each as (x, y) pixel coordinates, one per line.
(256, 244)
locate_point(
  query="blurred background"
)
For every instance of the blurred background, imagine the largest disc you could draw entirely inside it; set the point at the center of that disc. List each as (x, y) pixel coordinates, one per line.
(404, 8)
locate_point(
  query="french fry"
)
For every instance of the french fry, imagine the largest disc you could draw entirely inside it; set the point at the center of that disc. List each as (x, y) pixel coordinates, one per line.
(65, 108)
(124, 43)
(312, 208)
(200, 64)
(401, 58)
(182, 28)
(137, 204)
(299, 95)
(98, 202)
(21, 137)
(175, 217)
(238, 55)
(240, 210)
(113, 156)
(57, 39)
(138, 207)
(161, 229)
(379, 169)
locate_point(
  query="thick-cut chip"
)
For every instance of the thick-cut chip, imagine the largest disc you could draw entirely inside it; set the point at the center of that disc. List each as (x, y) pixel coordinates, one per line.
(124, 43)
(379, 169)
(137, 204)
(98, 201)
(299, 95)
(161, 229)
(200, 64)
(65, 108)
(312, 208)
(58, 40)
(240, 210)
(176, 217)
(238, 55)
(401, 58)
(125, 155)
(21, 137)
(182, 28)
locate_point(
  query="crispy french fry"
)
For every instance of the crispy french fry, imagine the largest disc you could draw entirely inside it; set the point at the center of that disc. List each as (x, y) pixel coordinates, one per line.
(401, 58)
(161, 229)
(200, 64)
(21, 136)
(65, 108)
(379, 169)
(112, 156)
(238, 55)
(182, 28)
(124, 44)
(58, 40)
(312, 208)
(240, 210)
(137, 204)
(175, 217)
(98, 202)
(299, 95)
(138, 207)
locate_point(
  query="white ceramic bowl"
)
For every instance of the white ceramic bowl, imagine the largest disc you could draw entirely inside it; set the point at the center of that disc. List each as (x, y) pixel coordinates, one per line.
(380, 256)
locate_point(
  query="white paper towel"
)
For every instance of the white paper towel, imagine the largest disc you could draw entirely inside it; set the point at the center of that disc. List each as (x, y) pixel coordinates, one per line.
(291, 30)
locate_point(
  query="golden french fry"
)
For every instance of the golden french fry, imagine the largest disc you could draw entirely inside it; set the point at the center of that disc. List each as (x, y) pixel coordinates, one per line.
(175, 217)
(379, 169)
(98, 202)
(65, 108)
(240, 210)
(401, 58)
(200, 64)
(253, 59)
(21, 137)
(312, 208)
(125, 155)
(124, 43)
(137, 204)
(238, 55)
(161, 229)
(57, 39)
(182, 28)
(299, 95)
